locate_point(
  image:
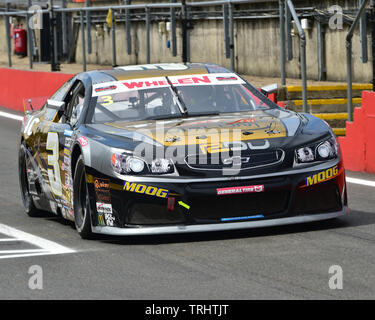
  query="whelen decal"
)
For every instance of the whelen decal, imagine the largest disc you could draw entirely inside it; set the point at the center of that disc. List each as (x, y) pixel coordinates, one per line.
(322, 176)
(239, 190)
(114, 87)
(143, 189)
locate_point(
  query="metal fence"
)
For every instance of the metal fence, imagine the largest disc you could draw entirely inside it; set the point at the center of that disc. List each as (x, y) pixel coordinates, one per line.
(180, 11)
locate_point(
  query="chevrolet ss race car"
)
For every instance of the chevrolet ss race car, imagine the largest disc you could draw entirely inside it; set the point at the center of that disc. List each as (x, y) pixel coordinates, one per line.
(173, 148)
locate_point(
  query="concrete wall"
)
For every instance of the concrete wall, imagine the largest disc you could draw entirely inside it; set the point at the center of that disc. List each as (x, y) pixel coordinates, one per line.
(257, 47)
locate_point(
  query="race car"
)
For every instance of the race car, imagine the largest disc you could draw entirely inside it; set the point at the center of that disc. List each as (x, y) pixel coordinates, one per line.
(176, 148)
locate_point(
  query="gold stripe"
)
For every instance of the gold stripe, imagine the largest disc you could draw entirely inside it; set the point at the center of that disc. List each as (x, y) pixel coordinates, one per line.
(315, 102)
(339, 131)
(331, 116)
(330, 87)
(114, 186)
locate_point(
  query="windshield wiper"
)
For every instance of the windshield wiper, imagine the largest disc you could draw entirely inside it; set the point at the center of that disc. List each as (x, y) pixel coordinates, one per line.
(213, 113)
(180, 103)
(162, 117)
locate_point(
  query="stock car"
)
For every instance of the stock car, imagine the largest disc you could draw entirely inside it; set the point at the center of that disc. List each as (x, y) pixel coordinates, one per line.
(175, 148)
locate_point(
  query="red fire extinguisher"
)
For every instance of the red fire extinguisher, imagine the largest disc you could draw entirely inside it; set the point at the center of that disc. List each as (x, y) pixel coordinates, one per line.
(20, 42)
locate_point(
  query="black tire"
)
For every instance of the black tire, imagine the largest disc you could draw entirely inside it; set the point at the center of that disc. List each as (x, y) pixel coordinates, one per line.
(27, 200)
(82, 208)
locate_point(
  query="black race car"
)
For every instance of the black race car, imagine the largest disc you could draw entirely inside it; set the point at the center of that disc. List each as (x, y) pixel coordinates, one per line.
(172, 148)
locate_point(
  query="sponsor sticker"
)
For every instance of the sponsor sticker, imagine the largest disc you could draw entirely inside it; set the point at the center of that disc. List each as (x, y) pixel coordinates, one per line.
(102, 190)
(68, 133)
(111, 87)
(239, 190)
(109, 219)
(143, 189)
(322, 176)
(259, 216)
(68, 181)
(103, 207)
(68, 142)
(83, 141)
(101, 221)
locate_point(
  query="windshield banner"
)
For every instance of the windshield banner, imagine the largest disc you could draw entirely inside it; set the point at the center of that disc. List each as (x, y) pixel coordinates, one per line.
(162, 82)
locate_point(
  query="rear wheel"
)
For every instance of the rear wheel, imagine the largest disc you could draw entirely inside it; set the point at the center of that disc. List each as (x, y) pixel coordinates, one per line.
(82, 209)
(27, 199)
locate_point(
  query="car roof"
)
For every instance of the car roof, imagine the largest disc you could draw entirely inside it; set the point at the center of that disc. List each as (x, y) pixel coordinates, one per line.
(154, 70)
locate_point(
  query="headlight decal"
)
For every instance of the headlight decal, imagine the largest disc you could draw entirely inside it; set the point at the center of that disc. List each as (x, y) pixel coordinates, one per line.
(123, 163)
(321, 151)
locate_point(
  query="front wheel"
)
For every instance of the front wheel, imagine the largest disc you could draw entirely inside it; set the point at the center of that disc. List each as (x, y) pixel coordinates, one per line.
(82, 209)
(27, 200)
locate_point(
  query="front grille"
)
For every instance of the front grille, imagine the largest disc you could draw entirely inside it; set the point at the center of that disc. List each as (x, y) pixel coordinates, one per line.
(218, 162)
(153, 214)
(230, 206)
(324, 197)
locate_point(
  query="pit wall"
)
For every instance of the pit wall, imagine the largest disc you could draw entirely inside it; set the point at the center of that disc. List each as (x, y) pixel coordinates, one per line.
(358, 146)
(18, 86)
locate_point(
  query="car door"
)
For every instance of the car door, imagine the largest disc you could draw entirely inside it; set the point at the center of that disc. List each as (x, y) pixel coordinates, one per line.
(54, 132)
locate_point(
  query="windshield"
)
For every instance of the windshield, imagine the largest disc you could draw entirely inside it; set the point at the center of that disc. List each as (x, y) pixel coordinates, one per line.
(177, 96)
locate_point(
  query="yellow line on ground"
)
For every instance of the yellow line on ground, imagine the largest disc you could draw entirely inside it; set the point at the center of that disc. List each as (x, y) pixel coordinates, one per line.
(330, 87)
(315, 102)
(331, 116)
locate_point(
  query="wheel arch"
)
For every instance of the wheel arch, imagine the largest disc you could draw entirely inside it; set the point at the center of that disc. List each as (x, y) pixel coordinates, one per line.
(76, 152)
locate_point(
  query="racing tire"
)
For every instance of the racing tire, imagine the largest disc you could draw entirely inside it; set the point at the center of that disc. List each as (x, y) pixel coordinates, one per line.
(81, 200)
(27, 199)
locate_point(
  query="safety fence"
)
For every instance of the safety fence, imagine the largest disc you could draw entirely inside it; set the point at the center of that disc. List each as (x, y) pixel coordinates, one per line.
(182, 14)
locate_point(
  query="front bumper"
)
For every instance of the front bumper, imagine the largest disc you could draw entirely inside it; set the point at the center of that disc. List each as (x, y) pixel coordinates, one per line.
(217, 226)
(142, 207)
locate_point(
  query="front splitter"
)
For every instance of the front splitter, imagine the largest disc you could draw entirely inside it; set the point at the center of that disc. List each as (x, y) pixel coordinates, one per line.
(217, 226)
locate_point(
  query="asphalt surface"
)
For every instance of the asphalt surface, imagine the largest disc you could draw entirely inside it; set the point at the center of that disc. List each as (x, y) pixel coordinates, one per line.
(289, 262)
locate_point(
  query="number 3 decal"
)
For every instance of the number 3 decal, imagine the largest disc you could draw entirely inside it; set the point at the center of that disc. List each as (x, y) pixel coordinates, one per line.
(53, 160)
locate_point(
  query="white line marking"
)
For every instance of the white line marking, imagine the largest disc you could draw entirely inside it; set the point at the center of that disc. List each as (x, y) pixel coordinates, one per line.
(24, 251)
(23, 255)
(368, 183)
(47, 247)
(9, 240)
(11, 116)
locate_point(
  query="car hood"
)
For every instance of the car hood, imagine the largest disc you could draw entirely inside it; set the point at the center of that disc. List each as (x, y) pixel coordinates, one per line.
(265, 139)
(244, 126)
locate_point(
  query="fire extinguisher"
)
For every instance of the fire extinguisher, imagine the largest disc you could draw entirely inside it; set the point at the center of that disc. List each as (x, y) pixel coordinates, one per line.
(20, 42)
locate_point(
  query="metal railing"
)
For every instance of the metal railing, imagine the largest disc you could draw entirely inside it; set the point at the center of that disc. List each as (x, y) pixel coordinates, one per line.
(349, 37)
(182, 11)
(302, 37)
(85, 14)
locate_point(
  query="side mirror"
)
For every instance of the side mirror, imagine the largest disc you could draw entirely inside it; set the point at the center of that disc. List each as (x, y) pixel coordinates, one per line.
(267, 90)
